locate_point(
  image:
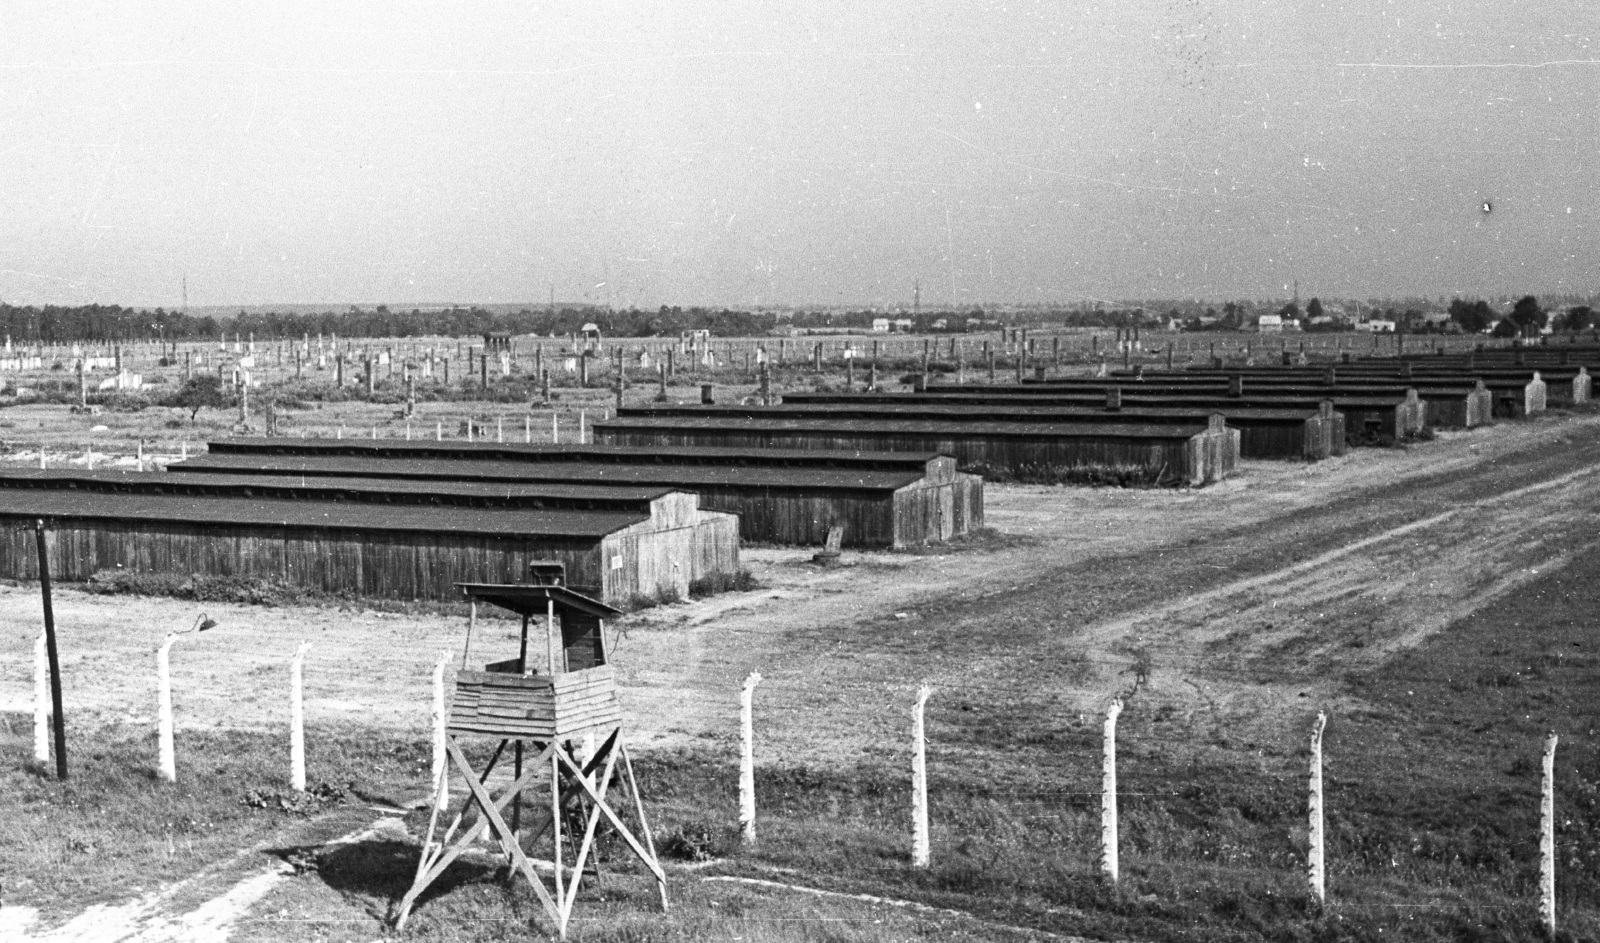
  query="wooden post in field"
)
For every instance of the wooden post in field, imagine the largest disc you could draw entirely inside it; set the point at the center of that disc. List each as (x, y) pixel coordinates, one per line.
(1316, 876)
(297, 720)
(919, 782)
(167, 767)
(1108, 795)
(52, 655)
(41, 702)
(1547, 840)
(550, 644)
(747, 759)
(439, 718)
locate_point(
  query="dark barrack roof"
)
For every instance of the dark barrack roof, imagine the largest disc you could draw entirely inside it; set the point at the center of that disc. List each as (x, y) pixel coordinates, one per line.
(375, 489)
(1177, 429)
(617, 454)
(548, 474)
(223, 513)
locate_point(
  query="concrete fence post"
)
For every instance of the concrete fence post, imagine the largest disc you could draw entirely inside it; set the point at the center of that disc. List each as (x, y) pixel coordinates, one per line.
(582, 422)
(167, 766)
(439, 719)
(1547, 840)
(1316, 875)
(747, 759)
(527, 430)
(297, 720)
(1108, 795)
(41, 701)
(438, 432)
(919, 781)
(555, 429)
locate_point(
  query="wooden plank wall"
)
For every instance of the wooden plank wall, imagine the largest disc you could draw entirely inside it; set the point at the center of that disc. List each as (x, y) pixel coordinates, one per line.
(392, 565)
(1015, 456)
(1453, 411)
(803, 518)
(929, 512)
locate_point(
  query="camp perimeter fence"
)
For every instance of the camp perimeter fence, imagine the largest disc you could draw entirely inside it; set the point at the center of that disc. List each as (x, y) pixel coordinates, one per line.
(981, 781)
(368, 366)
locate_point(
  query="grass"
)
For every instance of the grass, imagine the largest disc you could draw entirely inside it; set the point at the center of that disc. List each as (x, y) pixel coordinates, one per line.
(113, 830)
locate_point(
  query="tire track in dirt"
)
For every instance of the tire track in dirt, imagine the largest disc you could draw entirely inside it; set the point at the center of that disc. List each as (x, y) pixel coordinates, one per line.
(1310, 595)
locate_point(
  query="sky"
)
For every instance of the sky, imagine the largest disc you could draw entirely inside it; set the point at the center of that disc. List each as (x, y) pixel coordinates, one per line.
(747, 154)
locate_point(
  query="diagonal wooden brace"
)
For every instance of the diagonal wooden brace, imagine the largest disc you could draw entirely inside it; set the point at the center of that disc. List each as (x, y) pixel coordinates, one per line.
(616, 823)
(448, 853)
(588, 837)
(508, 840)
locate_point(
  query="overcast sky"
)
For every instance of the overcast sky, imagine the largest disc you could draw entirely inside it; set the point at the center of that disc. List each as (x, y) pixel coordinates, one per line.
(822, 152)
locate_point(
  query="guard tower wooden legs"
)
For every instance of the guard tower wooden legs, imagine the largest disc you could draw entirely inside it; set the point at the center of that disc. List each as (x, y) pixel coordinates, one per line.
(580, 785)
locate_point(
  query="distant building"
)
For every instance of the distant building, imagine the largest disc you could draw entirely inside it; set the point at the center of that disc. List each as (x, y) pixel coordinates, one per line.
(1270, 324)
(880, 325)
(904, 325)
(1375, 327)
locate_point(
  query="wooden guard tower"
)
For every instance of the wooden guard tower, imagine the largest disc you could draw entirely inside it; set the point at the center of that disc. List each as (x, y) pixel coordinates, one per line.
(573, 702)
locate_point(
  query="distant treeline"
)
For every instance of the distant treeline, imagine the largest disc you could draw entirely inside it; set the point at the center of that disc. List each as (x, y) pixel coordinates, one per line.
(106, 323)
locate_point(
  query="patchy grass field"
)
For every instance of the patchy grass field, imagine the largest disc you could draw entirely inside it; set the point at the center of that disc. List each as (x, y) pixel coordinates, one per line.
(113, 830)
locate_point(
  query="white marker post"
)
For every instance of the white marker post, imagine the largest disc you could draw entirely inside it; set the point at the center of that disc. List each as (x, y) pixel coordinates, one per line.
(527, 430)
(919, 782)
(1108, 795)
(747, 759)
(555, 429)
(1316, 875)
(167, 765)
(297, 720)
(581, 425)
(438, 432)
(1547, 840)
(439, 719)
(41, 702)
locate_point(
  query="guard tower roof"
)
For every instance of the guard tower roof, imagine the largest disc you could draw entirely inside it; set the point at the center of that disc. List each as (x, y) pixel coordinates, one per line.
(529, 600)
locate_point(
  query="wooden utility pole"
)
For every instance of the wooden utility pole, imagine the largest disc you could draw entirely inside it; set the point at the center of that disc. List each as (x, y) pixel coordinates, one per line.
(59, 719)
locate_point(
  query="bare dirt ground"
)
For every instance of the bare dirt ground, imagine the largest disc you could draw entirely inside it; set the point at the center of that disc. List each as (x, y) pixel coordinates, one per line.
(1363, 554)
